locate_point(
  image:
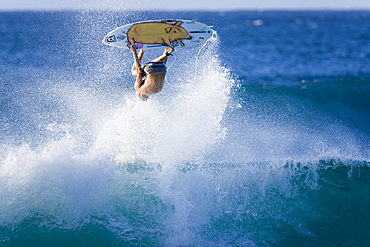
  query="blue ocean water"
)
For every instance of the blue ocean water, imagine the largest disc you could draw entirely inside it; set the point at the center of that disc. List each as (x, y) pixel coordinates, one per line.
(259, 138)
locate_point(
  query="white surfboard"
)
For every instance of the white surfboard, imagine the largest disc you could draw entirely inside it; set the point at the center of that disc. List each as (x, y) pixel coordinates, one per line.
(159, 34)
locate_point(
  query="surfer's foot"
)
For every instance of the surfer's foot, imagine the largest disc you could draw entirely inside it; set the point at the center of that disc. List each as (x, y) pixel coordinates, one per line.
(132, 47)
(169, 50)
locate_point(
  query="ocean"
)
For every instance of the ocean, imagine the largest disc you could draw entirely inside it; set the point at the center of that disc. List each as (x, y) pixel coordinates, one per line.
(260, 137)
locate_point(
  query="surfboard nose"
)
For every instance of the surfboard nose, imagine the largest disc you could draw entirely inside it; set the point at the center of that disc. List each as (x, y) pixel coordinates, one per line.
(109, 39)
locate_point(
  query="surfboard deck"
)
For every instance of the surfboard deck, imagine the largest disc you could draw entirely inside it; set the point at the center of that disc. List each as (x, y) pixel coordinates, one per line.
(159, 34)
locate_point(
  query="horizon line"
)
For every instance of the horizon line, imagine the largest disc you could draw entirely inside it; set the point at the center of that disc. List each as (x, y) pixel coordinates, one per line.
(179, 10)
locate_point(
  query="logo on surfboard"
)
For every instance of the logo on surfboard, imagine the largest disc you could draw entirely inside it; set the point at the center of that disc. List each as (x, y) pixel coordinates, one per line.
(110, 39)
(157, 33)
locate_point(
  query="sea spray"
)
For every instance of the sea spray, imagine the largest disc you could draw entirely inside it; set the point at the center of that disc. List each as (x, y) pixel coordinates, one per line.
(175, 129)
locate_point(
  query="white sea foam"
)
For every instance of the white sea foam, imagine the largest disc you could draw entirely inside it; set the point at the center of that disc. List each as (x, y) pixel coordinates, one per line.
(74, 177)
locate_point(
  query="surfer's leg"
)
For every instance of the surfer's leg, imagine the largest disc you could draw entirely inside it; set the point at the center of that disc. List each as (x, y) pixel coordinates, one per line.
(136, 66)
(134, 70)
(165, 55)
(141, 54)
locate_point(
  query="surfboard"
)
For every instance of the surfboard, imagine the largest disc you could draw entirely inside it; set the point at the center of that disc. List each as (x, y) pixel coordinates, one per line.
(159, 34)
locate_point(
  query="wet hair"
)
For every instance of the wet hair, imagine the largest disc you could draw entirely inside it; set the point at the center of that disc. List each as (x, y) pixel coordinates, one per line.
(143, 97)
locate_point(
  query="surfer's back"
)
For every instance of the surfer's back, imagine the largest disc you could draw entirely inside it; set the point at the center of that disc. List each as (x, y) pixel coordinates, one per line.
(153, 83)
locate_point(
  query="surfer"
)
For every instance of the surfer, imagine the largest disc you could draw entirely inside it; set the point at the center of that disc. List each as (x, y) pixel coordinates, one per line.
(150, 77)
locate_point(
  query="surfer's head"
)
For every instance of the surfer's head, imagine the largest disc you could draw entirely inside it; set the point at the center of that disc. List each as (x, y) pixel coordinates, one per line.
(142, 97)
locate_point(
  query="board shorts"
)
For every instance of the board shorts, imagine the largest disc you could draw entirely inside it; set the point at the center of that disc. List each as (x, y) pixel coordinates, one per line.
(153, 67)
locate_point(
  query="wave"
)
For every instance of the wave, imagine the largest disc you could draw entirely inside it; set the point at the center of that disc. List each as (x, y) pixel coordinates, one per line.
(65, 176)
(202, 204)
(321, 120)
(203, 163)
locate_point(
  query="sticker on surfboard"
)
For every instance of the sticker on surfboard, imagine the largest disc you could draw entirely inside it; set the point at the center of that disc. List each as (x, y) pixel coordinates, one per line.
(159, 34)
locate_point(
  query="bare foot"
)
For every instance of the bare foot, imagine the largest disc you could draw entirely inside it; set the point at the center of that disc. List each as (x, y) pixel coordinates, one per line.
(132, 47)
(169, 50)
